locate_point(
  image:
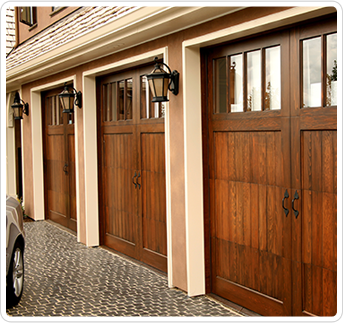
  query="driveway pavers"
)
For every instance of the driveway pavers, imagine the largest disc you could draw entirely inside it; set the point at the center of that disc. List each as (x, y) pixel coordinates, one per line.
(66, 278)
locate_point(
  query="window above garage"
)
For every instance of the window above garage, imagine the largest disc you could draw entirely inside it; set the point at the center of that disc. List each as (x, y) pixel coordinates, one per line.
(28, 15)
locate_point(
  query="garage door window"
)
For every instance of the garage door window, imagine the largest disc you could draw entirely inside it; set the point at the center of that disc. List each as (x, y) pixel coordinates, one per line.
(252, 84)
(319, 86)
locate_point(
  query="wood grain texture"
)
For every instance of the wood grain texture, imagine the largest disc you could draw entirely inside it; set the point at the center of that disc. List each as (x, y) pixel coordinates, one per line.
(133, 212)
(59, 155)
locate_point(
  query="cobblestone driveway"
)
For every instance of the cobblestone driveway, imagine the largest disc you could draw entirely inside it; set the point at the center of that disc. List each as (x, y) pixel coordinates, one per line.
(65, 278)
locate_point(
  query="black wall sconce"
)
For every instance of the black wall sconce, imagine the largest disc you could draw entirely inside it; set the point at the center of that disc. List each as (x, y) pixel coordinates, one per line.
(67, 99)
(18, 109)
(160, 82)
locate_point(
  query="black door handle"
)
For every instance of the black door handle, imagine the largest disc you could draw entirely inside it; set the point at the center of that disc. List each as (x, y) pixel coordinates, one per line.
(135, 174)
(293, 201)
(65, 168)
(137, 180)
(286, 195)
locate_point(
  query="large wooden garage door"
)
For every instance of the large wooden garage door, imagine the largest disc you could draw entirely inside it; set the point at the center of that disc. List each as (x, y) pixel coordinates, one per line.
(272, 171)
(132, 168)
(59, 161)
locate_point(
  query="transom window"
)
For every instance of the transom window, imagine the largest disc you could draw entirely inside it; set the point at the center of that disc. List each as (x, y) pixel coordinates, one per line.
(248, 81)
(118, 100)
(54, 112)
(319, 71)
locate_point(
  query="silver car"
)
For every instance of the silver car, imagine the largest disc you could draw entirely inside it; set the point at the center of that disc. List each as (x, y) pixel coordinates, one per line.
(15, 243)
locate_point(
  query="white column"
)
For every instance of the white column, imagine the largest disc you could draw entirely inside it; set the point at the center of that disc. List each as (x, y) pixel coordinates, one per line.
(193, 171)
(90, 161)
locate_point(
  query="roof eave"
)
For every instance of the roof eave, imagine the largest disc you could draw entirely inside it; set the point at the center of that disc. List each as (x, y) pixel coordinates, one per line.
(139, 26)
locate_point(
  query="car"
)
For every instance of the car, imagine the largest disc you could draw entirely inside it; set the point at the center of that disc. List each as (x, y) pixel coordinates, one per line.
(15, 244)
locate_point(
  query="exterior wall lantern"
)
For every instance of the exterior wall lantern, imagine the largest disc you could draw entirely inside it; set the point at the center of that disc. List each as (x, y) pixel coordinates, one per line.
(67, 99)
(160, 82)
(18, 109)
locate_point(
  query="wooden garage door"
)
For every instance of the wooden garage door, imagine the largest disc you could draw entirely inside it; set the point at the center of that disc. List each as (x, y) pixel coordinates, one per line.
(272, 172)
(132, 172)
(59, 161)
(314, 168)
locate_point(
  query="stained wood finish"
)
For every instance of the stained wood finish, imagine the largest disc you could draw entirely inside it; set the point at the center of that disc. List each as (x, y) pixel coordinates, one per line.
(153, 206)
(248, 175)
(314, 155)
(133, 216)
(260, 258)
(59, 150)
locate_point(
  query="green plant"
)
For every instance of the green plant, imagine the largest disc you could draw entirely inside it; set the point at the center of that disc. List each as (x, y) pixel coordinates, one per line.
(20, 200)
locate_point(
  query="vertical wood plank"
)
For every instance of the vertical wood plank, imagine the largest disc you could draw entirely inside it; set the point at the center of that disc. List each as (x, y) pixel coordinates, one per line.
(246, 214)
(316, 161)
(262, 157)
(316, 229)
(262, 218)
(329, 292)
(307, 160)
(317, 301)
(239, 213)
(307, 288)
(306, 226)
(238, 141)
(271, 226)
(327, 231)
(270, 159)
(327, 162)
(254, 214)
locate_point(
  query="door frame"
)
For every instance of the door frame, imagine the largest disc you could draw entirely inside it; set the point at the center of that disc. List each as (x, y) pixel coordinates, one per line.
(196, 245)
(90, 147)
(37, 149)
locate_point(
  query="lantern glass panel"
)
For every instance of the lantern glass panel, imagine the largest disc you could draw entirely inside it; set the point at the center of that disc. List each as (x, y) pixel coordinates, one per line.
(18, 112)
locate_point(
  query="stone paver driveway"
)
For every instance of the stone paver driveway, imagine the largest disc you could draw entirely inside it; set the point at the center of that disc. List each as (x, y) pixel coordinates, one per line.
(65, 278)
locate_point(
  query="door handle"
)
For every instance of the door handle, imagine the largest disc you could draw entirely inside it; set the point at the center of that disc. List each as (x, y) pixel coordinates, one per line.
(135, 174)
(65, 168)
(137, 180)
(296, 212)
(286, 195)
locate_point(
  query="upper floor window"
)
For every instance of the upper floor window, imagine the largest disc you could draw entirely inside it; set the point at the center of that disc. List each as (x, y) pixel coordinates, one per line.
(28, 15)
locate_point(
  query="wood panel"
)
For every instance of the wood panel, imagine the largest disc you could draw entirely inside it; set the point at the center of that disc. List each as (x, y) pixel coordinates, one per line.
(249, 224)
(154, 236)
(119, 196)
(319, 222)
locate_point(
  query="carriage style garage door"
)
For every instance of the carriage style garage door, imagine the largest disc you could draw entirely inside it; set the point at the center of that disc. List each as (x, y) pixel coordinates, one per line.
(59, 161)
(272, 170)
(132, 168)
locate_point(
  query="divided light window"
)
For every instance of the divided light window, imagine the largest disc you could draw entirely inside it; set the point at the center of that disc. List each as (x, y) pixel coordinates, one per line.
(248, 81)
(28, 15)
(117, 100)
(319, 71)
